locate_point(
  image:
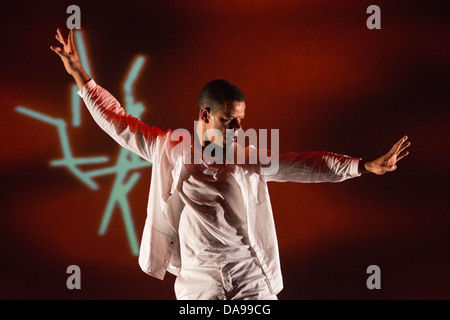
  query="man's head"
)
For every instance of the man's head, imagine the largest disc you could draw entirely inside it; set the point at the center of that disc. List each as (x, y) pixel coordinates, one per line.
(221, 106)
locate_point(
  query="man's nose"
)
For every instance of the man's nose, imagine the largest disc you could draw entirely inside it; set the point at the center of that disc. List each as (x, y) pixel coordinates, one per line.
(237, 125)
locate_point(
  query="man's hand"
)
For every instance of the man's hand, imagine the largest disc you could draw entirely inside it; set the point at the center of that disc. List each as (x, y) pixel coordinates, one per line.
(70, 58)
(388, 162)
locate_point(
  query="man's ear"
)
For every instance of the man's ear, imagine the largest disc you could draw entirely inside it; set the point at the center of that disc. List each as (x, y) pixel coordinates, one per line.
(204, 114)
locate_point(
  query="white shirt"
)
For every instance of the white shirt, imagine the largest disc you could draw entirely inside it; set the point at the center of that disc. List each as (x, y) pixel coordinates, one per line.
(213, 225)
(160, 244)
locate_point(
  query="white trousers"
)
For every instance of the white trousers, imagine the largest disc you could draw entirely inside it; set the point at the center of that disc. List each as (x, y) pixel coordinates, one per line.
(243, 280)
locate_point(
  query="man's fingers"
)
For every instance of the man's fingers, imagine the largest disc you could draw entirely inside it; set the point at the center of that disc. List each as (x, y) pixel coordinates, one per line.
(60, 37)
(396, 146)
(71, 40)
(403, 147)
(56, 50)
(399, 143)
(402, 155)
(59, 51)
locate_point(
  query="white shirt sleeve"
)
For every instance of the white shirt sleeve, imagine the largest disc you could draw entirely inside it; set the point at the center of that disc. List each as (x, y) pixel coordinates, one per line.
(314, 167)
(125, 129)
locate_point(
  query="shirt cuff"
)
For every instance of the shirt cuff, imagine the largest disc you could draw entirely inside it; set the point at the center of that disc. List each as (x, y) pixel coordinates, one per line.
(86, 88)
(354, 167)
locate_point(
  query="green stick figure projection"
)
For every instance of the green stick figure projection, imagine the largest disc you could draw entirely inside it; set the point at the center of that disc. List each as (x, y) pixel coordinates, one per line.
(126, 160)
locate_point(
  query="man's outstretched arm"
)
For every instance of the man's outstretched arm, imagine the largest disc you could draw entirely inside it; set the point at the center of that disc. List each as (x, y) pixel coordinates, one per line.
(331, 167)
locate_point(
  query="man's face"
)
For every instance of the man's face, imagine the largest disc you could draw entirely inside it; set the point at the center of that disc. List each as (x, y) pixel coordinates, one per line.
(229, 118)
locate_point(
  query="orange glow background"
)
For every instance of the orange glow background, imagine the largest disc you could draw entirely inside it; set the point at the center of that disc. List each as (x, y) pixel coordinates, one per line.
(311, 69)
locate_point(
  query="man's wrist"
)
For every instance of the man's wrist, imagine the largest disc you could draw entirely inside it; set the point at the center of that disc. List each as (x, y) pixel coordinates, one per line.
(81, 77)
(362, 167)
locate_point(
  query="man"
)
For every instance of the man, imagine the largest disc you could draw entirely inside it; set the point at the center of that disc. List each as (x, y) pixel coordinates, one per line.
(211, 223)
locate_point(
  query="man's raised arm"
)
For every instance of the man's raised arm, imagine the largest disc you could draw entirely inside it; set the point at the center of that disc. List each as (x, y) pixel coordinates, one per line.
(125, 129)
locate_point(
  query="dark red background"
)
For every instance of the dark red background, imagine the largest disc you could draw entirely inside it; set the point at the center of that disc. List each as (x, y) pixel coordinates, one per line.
(311, 69)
